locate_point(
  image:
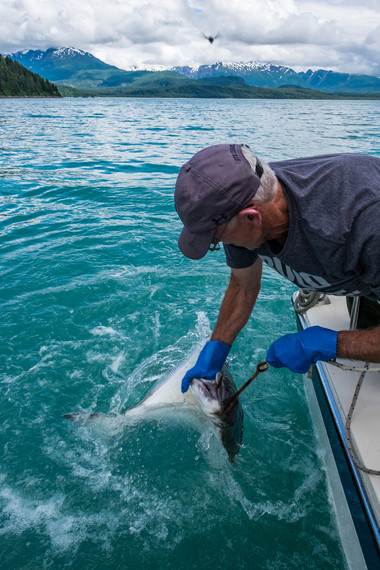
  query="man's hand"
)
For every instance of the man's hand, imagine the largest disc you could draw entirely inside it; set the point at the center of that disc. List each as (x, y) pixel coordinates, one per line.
(298, 351)
(210, 360)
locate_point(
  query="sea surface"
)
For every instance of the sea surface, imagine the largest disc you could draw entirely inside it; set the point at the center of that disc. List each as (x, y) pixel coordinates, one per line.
(98, 304)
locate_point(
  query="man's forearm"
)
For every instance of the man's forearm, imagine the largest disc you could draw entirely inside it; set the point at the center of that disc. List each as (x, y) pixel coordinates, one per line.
(236, 309)
(359, 345)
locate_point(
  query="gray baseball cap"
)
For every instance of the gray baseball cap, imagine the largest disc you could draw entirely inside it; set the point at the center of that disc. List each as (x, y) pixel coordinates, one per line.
(211, 188)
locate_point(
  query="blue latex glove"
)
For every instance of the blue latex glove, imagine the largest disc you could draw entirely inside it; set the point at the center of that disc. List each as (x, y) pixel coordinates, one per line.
(210, 360)
(298, 351)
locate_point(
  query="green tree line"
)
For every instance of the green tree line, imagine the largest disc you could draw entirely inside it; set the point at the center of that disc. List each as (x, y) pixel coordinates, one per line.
(17, 81)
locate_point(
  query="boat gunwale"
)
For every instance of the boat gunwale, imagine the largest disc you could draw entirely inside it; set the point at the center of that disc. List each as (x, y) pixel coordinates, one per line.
(323, 374)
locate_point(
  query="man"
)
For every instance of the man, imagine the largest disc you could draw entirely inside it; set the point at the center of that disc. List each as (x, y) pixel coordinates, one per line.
(314, 220)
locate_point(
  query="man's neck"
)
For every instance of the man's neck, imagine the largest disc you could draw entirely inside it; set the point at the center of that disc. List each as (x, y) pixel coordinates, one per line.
(275, 216)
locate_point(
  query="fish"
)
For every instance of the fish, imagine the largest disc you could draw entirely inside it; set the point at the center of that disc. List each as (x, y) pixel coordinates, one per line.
(216, 400)
(205, 398)
(163, 398)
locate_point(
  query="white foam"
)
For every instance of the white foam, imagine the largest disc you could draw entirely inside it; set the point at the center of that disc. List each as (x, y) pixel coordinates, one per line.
(105, 331)
(25, 513)
(117, 362)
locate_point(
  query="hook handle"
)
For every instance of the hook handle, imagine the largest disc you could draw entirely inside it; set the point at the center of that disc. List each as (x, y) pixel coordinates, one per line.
(261, 367)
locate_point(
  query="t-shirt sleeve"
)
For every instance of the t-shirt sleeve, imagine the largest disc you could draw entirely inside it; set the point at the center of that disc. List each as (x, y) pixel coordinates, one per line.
(364, 247)
(239, 257)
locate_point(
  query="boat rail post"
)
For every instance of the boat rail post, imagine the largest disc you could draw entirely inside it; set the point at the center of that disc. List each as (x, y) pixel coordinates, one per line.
(354, 313)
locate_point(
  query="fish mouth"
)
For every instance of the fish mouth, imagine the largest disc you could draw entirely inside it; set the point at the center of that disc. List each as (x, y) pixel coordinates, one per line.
(213, 389)
(207, 387)
(205, 393)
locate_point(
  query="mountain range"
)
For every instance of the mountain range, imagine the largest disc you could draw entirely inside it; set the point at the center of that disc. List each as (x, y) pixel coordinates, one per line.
(77, 69)
(267, 75)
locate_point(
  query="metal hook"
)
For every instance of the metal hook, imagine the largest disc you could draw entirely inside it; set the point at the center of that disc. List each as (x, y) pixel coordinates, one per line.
(261, 367)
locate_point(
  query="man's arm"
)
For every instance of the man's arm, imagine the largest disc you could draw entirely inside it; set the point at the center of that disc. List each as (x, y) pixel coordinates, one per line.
(238, 302)
(359, 345)
(236, 307)
(298, 351)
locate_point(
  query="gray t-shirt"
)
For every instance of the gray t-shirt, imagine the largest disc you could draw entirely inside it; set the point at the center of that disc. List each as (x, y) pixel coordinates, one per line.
(333, 244)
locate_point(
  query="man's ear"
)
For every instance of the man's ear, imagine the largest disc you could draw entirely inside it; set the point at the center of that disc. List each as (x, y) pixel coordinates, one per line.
(252, 215)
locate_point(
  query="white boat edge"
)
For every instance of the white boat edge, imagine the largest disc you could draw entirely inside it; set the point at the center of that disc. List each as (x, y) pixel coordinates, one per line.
(355, 493)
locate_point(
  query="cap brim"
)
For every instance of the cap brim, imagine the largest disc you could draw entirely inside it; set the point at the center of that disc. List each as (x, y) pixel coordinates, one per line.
(195, 246)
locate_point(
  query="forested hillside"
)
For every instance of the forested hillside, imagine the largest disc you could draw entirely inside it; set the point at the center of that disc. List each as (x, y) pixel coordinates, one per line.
(17, 81)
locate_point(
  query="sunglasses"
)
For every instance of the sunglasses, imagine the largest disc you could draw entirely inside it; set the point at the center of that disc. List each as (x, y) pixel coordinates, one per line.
(215, 246)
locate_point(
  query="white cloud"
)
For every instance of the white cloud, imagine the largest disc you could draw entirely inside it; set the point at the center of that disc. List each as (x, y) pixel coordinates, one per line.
(334, 34)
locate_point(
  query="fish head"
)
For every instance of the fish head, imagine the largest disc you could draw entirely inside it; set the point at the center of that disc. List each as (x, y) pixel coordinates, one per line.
(205, 395)
(216, 400)
(213, 396)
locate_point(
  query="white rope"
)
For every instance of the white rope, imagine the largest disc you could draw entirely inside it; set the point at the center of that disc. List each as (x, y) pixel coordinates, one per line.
(352, 368)
(305, 300)
(347, 427)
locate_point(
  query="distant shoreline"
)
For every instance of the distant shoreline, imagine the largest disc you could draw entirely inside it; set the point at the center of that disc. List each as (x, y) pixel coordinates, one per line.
(31, 97)
(329, 97)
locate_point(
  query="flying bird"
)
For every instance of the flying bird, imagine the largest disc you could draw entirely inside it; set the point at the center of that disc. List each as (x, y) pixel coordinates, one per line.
(210, 38)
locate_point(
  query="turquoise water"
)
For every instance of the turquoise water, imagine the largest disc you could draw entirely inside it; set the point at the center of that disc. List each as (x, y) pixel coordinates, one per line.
(97, 304)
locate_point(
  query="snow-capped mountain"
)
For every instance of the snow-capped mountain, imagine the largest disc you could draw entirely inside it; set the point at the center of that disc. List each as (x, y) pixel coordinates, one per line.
(79, 68)
(267, 75)
(253, 72)
(59, 64)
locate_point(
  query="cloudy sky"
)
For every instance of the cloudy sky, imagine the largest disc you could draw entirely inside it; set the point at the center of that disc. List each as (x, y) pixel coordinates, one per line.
(343, 35)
